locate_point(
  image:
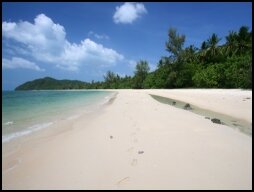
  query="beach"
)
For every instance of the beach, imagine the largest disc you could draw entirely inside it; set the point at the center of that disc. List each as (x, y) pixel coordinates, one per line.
(136, 142)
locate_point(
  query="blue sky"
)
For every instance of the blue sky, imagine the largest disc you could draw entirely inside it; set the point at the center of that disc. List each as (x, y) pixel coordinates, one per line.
(84, 40)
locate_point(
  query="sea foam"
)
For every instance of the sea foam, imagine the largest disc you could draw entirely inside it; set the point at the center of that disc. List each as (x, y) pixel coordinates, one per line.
(8, 123)
(29, 130)
(28, 108)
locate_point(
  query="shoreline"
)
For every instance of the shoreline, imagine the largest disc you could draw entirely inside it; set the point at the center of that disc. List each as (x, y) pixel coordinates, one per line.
(39, 137)
(66, 116)
(135, 142)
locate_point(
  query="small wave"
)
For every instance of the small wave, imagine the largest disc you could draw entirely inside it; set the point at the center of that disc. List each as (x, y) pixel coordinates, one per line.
(73, 117)
(9, 137)
(107, 99)
(8, 123)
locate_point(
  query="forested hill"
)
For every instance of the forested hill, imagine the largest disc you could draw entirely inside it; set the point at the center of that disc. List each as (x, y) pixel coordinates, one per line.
(49, 83)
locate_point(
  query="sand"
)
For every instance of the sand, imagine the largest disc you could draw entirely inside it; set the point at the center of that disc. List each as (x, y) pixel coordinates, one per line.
(136, 142)
(233, 102)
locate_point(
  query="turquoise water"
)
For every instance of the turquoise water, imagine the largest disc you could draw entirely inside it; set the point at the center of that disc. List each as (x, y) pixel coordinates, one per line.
(26, 111)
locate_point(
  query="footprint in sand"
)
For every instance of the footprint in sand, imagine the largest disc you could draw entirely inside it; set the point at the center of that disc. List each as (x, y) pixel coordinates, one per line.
(130, 149)
(134, 162)
(11, 165)
(123, 181)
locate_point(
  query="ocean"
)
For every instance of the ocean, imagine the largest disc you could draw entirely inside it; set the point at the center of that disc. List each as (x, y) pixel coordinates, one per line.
(24, 112)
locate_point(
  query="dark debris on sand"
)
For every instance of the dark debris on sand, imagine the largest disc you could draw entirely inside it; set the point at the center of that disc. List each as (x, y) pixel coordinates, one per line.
(214, 120)
(187, 107)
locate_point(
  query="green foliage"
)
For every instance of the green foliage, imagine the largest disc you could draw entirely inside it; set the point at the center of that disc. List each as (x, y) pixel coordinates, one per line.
(141, 72)
(235, 72)
(212, 66)
(149, 82)
(204, 45)
(210, 77)
(111, 80)
(213, 52)
(160, 77)
(49, 83)
(238, 72)
(189, 54)
(175, 43)
(244, 39)
(231, 44)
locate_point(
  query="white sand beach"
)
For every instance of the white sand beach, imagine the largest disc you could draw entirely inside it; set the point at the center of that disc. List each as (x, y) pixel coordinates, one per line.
(136, 142)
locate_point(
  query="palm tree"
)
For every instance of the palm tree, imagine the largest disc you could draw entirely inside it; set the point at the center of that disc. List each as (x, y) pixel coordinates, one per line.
(213, 43)
(244, 39)
(203, 51)
(231, 43)
(189, 54)
(204, 45)
(213, 52)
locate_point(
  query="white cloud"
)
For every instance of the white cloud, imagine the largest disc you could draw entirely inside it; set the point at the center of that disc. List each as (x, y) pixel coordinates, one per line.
(46, 41)
(103, 36)
(17, 62)
(129, 12)
(43, 33)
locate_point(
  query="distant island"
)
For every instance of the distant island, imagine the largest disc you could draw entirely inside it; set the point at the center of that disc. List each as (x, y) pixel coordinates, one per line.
(48, 83)
(210, 66)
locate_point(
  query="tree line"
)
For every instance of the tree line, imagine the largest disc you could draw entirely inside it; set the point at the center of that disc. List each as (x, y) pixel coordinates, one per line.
(211, 66)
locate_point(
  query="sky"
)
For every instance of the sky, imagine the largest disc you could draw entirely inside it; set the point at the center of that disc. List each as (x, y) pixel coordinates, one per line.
(82, 40)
